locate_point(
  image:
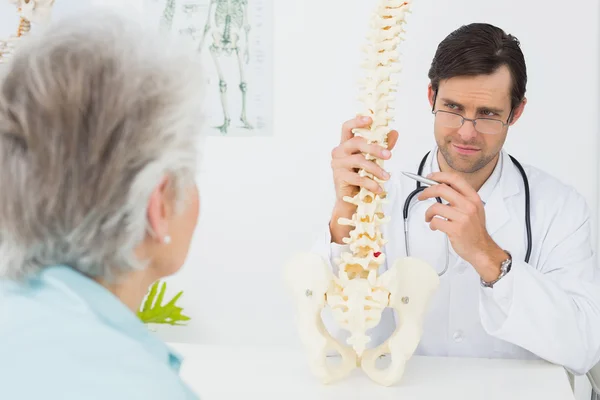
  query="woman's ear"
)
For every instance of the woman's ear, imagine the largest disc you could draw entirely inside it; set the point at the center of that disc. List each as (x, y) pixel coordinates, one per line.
(160, 210)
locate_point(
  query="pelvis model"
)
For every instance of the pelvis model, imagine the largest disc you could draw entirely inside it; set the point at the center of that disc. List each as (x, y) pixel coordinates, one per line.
(357, 296)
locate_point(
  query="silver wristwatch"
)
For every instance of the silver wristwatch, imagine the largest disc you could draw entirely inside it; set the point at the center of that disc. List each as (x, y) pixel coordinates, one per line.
(504, 269)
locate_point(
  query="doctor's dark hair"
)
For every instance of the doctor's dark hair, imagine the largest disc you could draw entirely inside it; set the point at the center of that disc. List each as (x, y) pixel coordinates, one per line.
(480, 49)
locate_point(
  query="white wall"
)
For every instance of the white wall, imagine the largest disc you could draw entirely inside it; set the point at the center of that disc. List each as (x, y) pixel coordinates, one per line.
(276, 192)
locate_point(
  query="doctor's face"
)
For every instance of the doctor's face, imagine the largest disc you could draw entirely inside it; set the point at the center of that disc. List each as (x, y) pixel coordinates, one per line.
(464, 148)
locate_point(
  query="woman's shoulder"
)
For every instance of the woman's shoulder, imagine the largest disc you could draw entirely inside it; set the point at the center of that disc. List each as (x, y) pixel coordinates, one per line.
(79, 359)
(51, 347)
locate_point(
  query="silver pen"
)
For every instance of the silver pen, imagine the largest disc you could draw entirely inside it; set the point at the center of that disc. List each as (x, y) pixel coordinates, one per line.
(422, 179)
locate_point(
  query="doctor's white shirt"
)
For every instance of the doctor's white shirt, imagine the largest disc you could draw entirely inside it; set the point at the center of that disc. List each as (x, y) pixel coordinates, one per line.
(548, 308)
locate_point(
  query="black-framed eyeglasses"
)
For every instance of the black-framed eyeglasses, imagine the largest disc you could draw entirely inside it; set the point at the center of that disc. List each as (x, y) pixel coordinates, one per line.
(453, 120)
(488, 126)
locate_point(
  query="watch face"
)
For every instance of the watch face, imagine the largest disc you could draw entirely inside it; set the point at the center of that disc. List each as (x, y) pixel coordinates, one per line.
(506, 265)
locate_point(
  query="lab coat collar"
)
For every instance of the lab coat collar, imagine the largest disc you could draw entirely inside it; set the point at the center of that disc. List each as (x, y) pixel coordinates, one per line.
(502, 184)
(496, 211)
(109, 309)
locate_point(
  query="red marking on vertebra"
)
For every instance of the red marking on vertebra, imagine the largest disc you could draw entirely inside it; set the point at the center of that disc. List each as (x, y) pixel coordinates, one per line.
(377, 254)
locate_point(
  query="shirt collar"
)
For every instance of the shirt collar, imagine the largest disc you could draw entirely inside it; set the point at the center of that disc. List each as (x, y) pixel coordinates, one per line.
(108, 308)
(490, 184)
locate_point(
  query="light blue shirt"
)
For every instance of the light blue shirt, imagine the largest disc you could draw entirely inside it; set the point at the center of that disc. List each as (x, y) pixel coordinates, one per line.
(64, 336)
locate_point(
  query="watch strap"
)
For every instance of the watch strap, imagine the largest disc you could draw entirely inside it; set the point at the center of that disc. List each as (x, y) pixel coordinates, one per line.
(504, 269)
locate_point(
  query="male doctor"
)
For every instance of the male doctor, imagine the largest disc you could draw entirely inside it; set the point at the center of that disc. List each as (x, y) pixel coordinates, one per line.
(490, 302)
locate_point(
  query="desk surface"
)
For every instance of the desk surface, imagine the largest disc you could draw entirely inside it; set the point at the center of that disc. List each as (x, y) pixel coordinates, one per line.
(219, 372)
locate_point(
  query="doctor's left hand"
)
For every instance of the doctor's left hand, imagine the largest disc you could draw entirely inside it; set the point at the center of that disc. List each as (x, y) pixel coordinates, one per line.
(463, 221)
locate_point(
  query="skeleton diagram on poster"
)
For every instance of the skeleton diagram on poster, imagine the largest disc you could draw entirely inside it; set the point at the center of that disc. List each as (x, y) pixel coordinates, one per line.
(233, 37)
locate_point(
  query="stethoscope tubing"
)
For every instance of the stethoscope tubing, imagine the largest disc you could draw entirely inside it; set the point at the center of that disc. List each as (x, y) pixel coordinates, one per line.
(420, 188)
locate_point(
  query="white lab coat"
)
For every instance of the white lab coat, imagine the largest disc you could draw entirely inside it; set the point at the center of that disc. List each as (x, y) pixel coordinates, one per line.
(548, 308)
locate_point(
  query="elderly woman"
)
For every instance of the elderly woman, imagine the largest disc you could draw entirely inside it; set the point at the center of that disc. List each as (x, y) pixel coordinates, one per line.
(99, 126)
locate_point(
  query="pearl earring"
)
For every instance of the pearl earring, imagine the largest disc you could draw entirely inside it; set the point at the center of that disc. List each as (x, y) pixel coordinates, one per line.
(167, 239)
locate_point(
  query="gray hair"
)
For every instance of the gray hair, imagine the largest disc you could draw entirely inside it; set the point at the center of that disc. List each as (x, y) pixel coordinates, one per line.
(94, 112)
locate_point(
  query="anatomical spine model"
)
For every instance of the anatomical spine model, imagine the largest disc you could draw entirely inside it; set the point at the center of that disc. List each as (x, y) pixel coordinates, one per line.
(29, 11)
(358, 295)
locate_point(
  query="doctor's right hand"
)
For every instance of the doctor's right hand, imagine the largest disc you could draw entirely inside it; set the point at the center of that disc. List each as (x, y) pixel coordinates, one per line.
(346, 160)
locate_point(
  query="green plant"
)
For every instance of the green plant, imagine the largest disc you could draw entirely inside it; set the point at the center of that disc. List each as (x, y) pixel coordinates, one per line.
(154, 312)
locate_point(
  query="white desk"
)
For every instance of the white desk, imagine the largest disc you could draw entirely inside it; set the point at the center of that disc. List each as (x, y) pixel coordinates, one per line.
(274, 373)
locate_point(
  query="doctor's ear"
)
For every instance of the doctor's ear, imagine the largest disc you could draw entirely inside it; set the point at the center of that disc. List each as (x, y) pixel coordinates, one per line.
(518, 111)
(430, 95)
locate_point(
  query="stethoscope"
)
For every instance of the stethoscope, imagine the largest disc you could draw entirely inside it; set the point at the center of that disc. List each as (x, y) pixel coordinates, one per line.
(421, 188)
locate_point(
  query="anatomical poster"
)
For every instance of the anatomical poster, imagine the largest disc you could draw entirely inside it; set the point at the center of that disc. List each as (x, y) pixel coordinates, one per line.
(234, 40)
